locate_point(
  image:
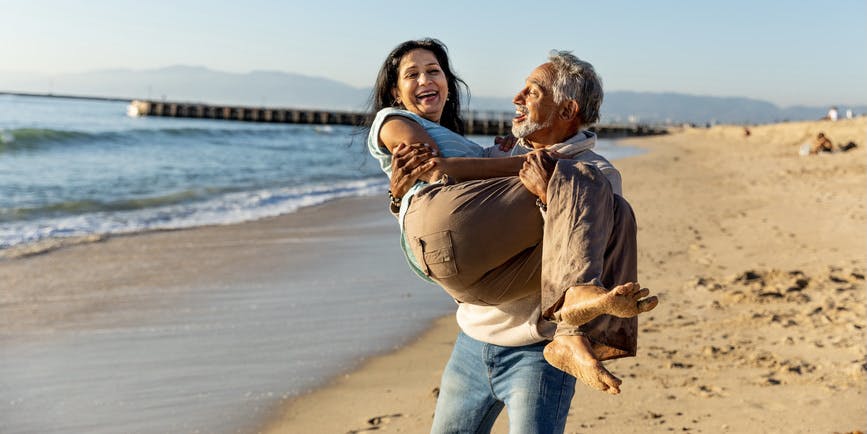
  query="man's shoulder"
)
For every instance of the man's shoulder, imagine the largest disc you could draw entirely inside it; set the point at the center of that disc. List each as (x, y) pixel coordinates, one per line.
(590, 156)
(604, 166)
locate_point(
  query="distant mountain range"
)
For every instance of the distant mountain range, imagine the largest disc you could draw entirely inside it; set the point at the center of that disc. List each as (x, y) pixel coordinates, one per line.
(282, 89)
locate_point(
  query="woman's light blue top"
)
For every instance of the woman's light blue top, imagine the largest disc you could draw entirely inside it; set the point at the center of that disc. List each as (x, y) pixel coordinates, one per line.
(450, 144)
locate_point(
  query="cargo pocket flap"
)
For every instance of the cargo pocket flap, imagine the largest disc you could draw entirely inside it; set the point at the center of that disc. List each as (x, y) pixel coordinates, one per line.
(438, 254)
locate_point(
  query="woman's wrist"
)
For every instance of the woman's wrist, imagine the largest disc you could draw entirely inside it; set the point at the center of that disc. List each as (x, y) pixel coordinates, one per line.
(441, 167)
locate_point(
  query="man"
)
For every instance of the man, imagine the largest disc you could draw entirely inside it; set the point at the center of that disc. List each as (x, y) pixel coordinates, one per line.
(503, 356)
(561, 97)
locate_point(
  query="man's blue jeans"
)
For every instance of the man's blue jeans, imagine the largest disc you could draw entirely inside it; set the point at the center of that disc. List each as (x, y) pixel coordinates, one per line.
(481, 378)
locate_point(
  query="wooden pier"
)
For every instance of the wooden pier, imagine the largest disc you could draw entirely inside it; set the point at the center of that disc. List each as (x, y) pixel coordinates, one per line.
(476, 123)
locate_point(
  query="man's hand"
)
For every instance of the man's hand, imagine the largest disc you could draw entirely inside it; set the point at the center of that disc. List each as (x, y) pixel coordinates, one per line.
(408, 162)
(537, 171)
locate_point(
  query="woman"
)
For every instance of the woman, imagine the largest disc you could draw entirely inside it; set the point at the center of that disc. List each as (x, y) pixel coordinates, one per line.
(481, 238)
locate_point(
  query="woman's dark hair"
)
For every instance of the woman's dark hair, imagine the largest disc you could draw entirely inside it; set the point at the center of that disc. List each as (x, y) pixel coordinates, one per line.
(386, 80)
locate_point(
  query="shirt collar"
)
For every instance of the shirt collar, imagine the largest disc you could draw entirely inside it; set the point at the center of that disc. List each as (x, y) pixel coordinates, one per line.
(571, 147)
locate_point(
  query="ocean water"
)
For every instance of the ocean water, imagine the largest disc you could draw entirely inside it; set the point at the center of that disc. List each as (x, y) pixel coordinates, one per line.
(73, 167)
(76, 167)
(216, 359)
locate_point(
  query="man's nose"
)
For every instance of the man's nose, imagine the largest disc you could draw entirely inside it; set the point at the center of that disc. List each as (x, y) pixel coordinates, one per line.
(519, 98)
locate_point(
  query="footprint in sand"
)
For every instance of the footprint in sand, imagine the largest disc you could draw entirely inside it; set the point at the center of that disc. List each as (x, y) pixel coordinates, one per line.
(707, 391)
(698, 253)
(375, 423)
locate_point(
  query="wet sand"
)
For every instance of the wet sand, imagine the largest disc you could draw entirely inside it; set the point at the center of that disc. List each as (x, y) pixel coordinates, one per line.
(203, 330)
(758, 256)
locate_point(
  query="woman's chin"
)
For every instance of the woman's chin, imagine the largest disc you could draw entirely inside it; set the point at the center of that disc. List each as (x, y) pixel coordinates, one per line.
(431, 114)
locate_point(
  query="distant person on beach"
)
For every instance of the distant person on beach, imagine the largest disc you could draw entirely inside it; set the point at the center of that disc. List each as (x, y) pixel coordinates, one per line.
(832, 114)
(821, 144)
(475, 225)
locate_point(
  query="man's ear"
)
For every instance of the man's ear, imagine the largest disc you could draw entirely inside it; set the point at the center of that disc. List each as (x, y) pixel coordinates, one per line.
(569, 110)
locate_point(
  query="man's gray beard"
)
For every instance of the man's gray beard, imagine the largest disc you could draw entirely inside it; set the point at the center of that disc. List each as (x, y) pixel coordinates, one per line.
(529, 127)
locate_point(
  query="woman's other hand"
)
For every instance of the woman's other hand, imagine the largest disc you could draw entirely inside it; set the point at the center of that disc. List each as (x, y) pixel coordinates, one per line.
(506, 143)
(537, 170)
(408, 162)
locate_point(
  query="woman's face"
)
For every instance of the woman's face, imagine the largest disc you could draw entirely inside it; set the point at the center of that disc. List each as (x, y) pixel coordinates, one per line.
(421, 84)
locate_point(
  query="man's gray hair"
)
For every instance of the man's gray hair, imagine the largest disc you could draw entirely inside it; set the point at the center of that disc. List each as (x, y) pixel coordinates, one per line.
(576, 80)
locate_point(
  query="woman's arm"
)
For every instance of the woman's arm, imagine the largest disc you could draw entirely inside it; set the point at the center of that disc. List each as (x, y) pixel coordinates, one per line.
(463, 169)
(397, 129)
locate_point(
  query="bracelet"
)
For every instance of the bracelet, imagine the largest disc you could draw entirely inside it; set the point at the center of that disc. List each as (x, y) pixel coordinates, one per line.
(393, 202)
(541, 205)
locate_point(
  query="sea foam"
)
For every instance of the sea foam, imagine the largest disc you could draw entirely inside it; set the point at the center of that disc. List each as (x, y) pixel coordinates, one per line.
(229, 208)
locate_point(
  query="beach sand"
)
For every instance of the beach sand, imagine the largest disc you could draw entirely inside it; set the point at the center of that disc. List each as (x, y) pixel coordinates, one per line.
(757, 254)
(758, 257)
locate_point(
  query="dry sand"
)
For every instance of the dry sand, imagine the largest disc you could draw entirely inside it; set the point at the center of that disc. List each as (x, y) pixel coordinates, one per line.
(758, 256)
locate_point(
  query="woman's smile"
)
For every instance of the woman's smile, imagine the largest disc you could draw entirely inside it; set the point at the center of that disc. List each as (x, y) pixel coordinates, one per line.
(422, 87)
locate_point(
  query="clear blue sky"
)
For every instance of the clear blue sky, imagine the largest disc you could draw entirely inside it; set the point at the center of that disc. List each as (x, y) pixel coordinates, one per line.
(811, 52)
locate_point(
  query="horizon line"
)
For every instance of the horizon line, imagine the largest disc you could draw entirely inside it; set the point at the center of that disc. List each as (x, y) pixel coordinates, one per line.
(210, 69)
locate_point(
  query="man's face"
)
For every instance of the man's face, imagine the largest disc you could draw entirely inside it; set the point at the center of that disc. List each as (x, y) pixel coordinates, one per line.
(534, 105)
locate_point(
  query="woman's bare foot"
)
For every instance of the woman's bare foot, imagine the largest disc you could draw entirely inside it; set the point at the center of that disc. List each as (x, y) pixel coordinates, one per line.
(573, 355)
(583, 303)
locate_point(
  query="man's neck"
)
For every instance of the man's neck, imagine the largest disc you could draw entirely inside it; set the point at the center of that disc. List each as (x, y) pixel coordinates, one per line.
(552, 139)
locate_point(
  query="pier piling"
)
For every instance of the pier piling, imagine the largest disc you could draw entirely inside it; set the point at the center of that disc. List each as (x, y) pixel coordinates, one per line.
(476, 123)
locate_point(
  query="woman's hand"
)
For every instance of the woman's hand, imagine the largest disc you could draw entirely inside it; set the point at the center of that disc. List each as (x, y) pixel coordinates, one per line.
(537, 171)
(408, 162)
(506, 143)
